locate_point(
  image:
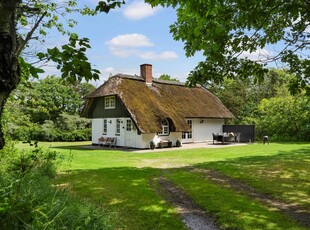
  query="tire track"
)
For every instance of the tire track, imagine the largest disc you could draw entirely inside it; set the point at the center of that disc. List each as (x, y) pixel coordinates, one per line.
(193, 217)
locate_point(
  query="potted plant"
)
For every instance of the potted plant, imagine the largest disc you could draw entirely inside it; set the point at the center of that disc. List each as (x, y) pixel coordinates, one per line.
(178, 143)
(152, 145)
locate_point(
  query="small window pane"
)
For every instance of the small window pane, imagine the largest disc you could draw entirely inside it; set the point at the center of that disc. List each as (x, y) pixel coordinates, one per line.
(109, 102)
(128, 125)
(165, 127)
(105, 127)
(118, 126)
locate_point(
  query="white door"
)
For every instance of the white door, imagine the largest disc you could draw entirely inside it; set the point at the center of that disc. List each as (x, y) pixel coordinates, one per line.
(129, 141)
(188, 136)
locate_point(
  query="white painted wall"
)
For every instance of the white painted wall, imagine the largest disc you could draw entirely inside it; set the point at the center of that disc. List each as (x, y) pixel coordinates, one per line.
(201, 132)
(203, 128)
(147, 138)
(97, 125)
(213, 126)
(128, 138)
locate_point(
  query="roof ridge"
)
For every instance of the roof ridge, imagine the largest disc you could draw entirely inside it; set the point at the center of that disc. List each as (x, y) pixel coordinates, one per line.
(139, 78)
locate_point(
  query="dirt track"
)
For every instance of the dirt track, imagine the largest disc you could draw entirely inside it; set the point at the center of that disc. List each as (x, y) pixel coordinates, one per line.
(196, 218)
(193, 217)
(301, 215)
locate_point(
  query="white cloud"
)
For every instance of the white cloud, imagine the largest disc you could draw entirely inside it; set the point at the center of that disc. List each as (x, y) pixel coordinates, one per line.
(258, 55)
(108, 70)
(129, 45)
(307, 29)
(130, 40)
(153, 56)
(122, 51)
(138, 10)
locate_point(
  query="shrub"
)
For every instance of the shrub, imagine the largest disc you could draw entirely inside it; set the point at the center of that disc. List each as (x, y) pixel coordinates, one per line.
(65, 128)
(28, 199)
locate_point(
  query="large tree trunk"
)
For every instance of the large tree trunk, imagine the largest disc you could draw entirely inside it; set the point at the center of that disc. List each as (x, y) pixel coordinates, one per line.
(9, 67)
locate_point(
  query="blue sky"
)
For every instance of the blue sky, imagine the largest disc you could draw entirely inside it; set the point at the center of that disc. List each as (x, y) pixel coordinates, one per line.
(130, 36)
(136, 34)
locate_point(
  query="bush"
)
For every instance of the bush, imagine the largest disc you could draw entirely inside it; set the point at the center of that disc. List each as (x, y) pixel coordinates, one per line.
(66, 128)
(28, 200)
(283, 118)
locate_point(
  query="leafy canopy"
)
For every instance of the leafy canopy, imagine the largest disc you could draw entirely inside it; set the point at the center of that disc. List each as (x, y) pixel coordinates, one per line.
(227, 31)
(23, 29)
(36, 17)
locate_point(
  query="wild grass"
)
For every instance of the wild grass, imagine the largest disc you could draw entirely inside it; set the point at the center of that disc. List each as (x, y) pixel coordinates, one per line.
(29, 199)
(123, 183)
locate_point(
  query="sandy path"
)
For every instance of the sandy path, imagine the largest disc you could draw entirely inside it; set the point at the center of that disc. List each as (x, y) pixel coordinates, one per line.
(193, 217)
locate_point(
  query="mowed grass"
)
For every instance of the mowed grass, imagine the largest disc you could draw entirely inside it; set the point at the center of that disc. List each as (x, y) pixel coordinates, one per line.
(286, 176)
(123, 184)
(232, 210)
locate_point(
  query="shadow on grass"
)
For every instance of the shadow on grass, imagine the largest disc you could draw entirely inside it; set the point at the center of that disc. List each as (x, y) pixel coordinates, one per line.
(94, 147)
(127, 195)
(285, 175)
(302, 154)
(133, 202)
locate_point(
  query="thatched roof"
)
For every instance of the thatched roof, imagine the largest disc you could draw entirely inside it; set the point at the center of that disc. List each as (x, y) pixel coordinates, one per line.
(149, 105)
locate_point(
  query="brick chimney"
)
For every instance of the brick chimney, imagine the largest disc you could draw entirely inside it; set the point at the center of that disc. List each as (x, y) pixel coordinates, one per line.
(146, 73)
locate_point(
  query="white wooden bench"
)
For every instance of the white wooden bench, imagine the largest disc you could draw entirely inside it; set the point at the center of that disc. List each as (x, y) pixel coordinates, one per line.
(111, 141)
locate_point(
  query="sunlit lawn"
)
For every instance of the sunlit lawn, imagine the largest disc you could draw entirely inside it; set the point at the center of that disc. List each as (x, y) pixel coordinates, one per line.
(123, 184)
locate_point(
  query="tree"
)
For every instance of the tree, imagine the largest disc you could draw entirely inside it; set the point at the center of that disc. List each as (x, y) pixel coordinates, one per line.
(242, 97)
(226, 30)
(167, 77)
(23, 22)
(47, 98)
(46, 110)
(285, 117)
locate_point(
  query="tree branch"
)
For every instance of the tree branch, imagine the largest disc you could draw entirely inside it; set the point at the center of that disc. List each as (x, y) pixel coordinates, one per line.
(23, 42)
(266, 20)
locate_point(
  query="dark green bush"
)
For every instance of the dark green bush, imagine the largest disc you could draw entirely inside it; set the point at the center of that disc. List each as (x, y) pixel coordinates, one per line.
(29, 200)
(66, 128)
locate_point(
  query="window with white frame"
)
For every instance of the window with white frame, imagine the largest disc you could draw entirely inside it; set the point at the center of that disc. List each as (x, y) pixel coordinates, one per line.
(128, 125)
(118, 126)
(165, 128)
(109, 102)
(105, 126)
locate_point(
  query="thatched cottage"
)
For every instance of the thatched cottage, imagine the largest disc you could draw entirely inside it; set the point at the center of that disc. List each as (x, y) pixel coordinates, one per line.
(138, 110)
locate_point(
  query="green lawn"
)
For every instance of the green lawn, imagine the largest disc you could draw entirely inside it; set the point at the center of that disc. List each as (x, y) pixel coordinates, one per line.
(123, 184)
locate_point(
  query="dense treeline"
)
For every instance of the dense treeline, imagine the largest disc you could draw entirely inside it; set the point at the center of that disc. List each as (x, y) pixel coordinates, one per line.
(268, 105)
(48, 110)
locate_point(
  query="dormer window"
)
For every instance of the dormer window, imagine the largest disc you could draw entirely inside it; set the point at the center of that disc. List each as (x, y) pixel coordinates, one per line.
(109, 102)
(165, 128)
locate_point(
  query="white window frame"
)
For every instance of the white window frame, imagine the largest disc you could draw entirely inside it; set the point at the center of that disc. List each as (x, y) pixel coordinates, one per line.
(105, 127)
(128, 125)
(118, 127)
(109, 102)
(165, 128)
